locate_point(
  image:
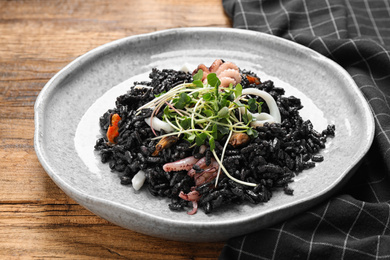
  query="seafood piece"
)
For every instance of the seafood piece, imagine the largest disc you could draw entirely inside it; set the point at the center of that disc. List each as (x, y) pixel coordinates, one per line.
(226, 66)
(238, 139)
(165, 142)
(113, 129)
(225, 82)
(207, 173)
(203, 67)
(216, 64)
(260, 119)
(138, 180)
(201, 164)
(206, 71)
(230, 73)
(227, 72)
(158, 124)
(183, 164)
(253, 80)
(192, 196)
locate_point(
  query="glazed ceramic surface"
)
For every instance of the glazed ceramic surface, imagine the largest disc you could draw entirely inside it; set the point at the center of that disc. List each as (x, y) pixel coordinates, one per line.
(68, 108)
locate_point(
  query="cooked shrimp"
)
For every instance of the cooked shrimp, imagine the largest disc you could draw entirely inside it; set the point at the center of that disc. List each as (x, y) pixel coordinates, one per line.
(225, 82)
(203, 67)
(225, 66)
(216, 64)
(227, 72)
(230, 73)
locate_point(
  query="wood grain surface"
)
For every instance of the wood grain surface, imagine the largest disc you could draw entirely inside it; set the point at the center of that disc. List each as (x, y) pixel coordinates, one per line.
(37, 39)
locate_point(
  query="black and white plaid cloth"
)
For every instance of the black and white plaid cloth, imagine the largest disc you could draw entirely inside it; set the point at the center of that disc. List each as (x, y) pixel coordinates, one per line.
(355, 224)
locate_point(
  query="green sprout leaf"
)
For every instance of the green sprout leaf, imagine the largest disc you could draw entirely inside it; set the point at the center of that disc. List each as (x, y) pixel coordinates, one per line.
(214, 131)
(167, 112)
(198, 83)
(238, 90)
(190, 138)
(239, 104)
(213, 80)
(183, 100)
(259, 107)
(208, 113)
(223, 129)
(252, 133)
(250, 118)
(212, 143)
(224, 102)
(198, 76)
(207, 97)
(245, 118)
(215, 105)
(160, 94)
(186, 123)
(200, 138)
(223, 113)
(252, 105)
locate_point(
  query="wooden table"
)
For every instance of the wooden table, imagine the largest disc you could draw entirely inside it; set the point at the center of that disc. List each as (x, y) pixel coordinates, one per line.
(37, 39)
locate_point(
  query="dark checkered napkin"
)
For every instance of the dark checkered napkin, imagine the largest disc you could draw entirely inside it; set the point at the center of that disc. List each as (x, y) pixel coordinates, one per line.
(355, 224)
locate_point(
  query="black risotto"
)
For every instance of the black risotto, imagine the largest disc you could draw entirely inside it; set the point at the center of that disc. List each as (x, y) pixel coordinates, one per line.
(272, 159)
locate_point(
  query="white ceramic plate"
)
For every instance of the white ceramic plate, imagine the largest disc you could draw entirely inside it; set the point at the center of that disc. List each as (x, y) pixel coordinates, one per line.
(68, 108)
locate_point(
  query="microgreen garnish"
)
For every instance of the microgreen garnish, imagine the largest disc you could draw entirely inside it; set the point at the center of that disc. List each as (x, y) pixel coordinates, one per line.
(159, 94)
(202, 113)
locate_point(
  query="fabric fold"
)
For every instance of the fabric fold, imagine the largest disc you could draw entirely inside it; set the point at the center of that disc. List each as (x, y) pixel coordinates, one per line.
(354, 224)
